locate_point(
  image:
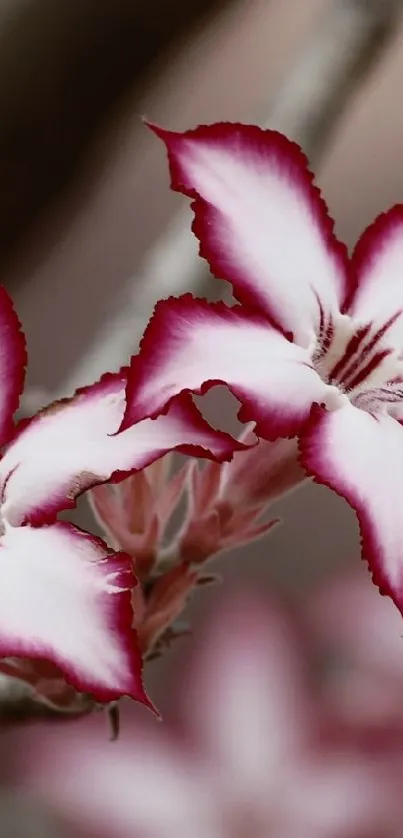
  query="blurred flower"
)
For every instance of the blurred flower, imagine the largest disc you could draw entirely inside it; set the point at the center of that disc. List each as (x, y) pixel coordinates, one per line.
(361, 636)
(252, 758)
(314, 349)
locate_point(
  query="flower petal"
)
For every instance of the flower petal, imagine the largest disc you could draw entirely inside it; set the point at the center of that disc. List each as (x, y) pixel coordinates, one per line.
(74, 444)
(247, 700)
(65, 599)
(370, 632)
(192, 344)
(361, 457)
(13, 361)
(367, 683)
(377, 264)
(144, 785)
(261, 222)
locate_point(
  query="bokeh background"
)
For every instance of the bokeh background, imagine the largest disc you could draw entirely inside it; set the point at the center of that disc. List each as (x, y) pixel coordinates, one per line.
(91, 236)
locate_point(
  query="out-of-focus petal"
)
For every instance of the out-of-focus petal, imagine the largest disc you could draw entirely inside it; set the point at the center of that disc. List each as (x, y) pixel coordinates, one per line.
(360, 456)
(377, 265)
(74, 444)
(340, 793)
(362, 632)
(261, 222)
(247, 688)
(13, 360)
(192, 345)
(65, 599)
(256, 759)
(370, 633)
(141, 785)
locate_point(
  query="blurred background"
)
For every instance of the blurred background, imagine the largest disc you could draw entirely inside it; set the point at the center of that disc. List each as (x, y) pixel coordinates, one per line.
(91, 236)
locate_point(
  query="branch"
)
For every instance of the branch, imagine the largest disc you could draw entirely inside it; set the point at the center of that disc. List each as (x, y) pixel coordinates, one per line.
(336, 57)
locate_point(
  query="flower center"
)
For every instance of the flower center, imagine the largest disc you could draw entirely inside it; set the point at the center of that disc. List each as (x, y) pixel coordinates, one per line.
(357, 359)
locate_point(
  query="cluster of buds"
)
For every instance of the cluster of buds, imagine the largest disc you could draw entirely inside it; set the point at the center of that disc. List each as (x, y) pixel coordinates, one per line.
(173, 522)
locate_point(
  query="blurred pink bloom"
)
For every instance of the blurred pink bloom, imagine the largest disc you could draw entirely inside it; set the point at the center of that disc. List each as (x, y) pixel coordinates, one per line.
(361, 632)
(252, 758)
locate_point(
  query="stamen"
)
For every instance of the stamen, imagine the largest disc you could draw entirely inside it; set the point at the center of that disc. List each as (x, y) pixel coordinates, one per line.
(367, 400)
(321, 319)
(328, 336)
(324, 341)
(350, 350)
(355, 365)
(388, 394)
(319, 349)
(365, 372)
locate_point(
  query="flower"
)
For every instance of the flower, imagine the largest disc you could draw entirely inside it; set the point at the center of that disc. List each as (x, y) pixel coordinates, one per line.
(314, 349)
(64, 596)
(253, 754)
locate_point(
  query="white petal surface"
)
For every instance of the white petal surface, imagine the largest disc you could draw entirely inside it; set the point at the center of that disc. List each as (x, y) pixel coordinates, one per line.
(377, 263)
(192, 344)
(261, 222)
(74, 444)
(361, 457)
(64, 599)
(246, 701)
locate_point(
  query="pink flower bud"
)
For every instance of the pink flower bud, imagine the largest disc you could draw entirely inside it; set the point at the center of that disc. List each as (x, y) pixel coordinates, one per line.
(165, 603)
(226, 500)
(262, 473)
(135, 512)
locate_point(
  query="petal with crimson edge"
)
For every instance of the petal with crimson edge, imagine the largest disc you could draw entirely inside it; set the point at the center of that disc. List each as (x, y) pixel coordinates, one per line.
(13, 361)
(65, 598)
(192, 344)
(377, 264)
(261, 222)
(74, 444)
(361, 457)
